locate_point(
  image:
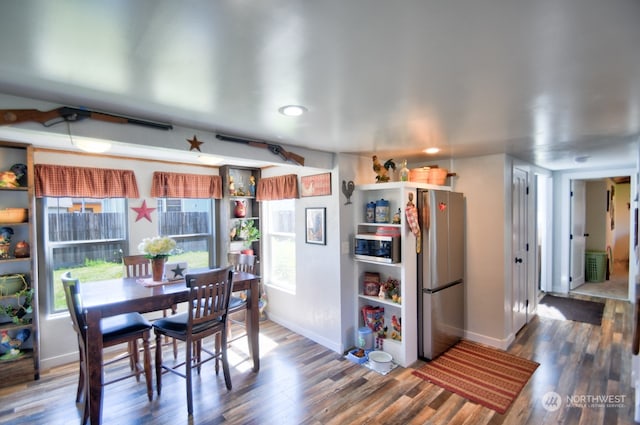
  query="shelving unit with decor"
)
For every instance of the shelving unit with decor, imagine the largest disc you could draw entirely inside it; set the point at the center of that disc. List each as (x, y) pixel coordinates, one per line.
(404, 350)
(19, 339)
(239, 212)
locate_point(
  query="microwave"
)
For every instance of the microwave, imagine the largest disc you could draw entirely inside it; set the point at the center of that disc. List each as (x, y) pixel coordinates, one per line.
(378, 248)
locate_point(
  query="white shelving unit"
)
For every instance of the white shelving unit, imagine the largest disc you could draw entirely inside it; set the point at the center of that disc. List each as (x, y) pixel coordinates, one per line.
(404, 352)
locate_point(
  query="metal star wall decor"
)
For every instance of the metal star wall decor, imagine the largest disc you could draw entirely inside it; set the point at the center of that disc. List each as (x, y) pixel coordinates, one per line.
(195, 143)
(143, 211)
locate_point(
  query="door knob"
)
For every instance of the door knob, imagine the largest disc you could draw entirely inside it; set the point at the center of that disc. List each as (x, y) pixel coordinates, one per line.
(518, 260)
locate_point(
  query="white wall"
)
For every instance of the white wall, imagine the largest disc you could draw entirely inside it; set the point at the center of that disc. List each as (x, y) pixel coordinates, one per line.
(482, 180)
(314, 310)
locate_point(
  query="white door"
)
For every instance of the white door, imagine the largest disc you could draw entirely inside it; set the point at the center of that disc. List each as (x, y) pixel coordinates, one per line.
(519, 248)
(578, 234)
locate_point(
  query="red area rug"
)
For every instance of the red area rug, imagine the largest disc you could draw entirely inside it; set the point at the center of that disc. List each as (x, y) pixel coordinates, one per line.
(487, 376)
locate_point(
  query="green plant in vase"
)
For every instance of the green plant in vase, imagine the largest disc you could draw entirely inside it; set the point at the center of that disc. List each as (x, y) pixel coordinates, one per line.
(248, 233)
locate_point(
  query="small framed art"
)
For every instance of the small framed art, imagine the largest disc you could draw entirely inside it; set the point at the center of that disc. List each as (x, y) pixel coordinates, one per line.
(315, 226)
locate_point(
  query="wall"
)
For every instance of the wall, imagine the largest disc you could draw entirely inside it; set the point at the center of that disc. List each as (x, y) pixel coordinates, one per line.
(314, 310)
(58, 341)
(482, 180)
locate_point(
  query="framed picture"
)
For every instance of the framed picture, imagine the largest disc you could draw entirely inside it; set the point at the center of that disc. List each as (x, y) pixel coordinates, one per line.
(315, 226)
(316, 185)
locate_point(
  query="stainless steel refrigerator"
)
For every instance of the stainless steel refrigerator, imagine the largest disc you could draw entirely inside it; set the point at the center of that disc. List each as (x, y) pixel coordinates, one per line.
(440, 272)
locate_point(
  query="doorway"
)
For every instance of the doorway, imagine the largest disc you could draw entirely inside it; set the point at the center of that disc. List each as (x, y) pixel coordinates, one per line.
(607, 203)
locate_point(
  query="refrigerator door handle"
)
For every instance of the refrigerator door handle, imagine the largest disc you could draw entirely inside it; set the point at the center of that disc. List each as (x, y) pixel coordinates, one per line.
(441, 288)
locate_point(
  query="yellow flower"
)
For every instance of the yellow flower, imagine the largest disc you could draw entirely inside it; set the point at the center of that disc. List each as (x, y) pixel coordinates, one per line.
(158, 246)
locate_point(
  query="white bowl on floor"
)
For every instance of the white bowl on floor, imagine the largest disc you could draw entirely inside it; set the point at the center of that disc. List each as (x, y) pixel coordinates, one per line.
(380, 361)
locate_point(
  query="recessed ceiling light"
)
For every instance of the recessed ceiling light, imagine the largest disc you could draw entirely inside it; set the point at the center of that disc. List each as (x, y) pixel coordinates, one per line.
(581, 159)
(432, 151)
(292, 110)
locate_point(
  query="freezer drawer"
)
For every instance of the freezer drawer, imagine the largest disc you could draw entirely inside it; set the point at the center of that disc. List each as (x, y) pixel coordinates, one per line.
(442, 324)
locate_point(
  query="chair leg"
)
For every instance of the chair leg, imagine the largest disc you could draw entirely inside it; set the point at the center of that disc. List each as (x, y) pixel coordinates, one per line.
(188, 359)
(225, 360)
(80, 394)
(197, 346)
(174, 309)
(158, 362)
(175, 349)
(217, 351)
(147, 365)
(85, 411)
(134, 359)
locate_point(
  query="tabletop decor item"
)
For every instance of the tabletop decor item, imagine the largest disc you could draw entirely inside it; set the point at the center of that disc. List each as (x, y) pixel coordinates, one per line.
(157, 249)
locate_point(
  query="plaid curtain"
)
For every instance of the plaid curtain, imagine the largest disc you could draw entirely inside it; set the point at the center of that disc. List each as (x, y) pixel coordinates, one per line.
(275, 188)
(79, 182)
(176, 185)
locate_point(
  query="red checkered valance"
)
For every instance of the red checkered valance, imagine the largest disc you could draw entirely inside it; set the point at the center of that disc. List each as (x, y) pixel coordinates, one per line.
(178, 185)
(275, 188)
(79, 182)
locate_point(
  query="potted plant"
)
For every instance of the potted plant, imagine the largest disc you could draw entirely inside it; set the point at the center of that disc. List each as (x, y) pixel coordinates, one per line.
(15, 308)
(157, 249)
(248, 233)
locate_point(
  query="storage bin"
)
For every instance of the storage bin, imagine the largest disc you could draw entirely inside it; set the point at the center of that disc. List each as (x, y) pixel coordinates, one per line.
(596, 266)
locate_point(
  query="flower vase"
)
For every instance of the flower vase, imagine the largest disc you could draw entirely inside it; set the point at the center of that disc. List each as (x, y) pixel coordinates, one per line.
(157, 268)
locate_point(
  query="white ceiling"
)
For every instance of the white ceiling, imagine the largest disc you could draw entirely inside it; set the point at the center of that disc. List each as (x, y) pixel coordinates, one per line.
(545, 80)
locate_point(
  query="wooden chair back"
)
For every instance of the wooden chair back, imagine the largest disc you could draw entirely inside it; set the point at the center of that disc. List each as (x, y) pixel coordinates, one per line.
(209, 295)
(136, 265)
(242, 262)
(74, 304)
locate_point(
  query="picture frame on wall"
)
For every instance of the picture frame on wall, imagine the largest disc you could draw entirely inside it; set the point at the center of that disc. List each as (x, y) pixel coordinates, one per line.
(316, 185)
(315, 226)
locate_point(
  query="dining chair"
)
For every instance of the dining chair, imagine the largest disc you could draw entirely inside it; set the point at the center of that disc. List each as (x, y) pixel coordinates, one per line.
(238, 304)
(209, 295)
(124, 328)
(137, 266)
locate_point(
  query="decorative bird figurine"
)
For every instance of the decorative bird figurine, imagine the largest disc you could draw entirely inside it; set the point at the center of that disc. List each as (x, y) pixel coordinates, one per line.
(20, 170)
(389, 164)
(347, 189)
(380, 170)
(5, 234)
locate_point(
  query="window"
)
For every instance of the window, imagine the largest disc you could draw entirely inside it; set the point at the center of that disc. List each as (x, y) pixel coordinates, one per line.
(85, 236)
(279, 243)
(188, 221)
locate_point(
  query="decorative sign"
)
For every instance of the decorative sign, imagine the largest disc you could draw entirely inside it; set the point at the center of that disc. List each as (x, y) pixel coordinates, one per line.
(316, 185)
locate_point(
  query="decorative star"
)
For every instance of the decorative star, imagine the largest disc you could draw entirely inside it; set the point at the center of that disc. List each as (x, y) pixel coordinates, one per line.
(178, 271)
(143, 211)
(195, 143)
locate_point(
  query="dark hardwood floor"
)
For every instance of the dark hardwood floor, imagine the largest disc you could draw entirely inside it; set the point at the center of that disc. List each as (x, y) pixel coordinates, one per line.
(301, 382)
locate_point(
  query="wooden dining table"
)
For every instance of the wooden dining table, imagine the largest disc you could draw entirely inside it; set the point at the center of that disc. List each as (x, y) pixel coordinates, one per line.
(111, 297)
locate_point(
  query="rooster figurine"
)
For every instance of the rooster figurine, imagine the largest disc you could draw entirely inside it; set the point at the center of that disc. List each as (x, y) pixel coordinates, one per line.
(347, 189)
(380, 170)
